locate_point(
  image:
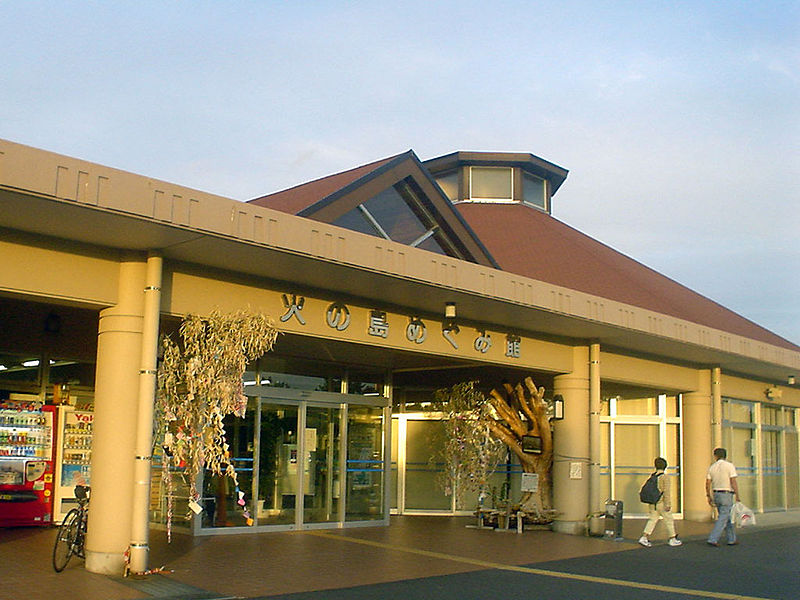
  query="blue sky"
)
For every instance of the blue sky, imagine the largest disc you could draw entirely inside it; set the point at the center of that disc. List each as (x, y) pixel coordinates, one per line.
(678, 121)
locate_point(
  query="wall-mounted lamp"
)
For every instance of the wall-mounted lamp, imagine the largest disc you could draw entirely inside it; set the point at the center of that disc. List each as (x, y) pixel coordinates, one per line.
(790, 380)
(558, 407)
(450, 310)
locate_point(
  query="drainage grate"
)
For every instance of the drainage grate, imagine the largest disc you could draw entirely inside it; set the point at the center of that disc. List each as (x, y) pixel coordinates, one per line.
(165, 588)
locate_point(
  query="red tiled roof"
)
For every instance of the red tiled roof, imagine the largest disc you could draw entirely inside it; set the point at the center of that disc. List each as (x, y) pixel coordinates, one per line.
(302, 196)
(531, 243)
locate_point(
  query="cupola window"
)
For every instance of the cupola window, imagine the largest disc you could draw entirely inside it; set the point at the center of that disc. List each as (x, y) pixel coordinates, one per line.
(491, 183)
(534, 191)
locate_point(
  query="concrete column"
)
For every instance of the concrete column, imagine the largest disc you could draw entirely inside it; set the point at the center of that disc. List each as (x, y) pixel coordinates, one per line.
(571, 447)
(697, 447)
(140, 527)
(595, 497)
(119, 351)
(716, 403)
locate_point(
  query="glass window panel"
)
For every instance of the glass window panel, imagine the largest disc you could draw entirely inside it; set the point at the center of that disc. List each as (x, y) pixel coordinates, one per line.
(423, 490)
(740, 443)
(364, 383)
(741, 412)
(792, 470)
(394, 215)
(771, 415)
(533, 190)
(278, 465)
(432, 245)
(673, 458)
(605, 407)
(492, 183)
(219, 499)
(449, 184)
(417, 400)
(364, 464)
(673, 406)
(393, 475)
(503, 484)
(323, 492)
(605, 460)
(300, 374)
(637, 406)
(356, 221)
(159, 501)
(772, 469)
(635, 448)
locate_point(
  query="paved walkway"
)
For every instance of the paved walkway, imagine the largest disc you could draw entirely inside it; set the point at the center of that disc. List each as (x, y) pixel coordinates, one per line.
(423, 557)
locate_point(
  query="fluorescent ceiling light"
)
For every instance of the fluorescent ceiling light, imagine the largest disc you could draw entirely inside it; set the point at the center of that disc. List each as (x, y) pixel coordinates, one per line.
(30, 363)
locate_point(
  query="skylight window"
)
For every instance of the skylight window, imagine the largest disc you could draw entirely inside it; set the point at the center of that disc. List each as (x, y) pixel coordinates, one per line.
(395, 214)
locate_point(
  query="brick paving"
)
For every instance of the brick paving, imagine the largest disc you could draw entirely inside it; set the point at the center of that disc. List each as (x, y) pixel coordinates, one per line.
(268, 564)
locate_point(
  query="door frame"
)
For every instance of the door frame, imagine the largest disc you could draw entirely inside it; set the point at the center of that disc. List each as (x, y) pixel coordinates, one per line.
(302, 399)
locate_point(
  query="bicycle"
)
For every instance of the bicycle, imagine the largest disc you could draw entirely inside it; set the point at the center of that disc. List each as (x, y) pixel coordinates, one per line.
(72, 532)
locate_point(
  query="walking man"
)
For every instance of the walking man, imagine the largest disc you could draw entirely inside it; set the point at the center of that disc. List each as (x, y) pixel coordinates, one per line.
(722, 490)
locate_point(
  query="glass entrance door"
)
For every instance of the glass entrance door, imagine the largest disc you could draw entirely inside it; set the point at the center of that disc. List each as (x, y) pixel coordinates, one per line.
(295, 465)
(277, 464)
(322, 485)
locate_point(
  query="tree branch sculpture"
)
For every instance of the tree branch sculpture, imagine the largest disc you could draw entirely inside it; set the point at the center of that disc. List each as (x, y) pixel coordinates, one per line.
(520, 411)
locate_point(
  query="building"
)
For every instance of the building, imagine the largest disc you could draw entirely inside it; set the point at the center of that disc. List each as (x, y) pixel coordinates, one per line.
(388, 281)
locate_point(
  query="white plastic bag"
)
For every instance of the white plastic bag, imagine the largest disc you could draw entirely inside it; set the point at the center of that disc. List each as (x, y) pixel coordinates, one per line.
(741, 516)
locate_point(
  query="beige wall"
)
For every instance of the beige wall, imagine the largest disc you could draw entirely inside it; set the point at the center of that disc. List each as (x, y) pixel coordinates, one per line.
(192, 292)
(51, 270)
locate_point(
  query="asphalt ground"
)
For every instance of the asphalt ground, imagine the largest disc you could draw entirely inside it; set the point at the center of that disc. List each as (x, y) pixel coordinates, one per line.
(765, 565)
(426, 558)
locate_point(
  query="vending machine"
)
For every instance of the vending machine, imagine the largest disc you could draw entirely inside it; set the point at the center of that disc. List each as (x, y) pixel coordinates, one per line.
(27, 440)
(73, 457)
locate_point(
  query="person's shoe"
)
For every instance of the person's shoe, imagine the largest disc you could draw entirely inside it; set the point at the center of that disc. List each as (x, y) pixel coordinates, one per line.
(736, 543)
(645, 542)
(715, 544)
(675, 542)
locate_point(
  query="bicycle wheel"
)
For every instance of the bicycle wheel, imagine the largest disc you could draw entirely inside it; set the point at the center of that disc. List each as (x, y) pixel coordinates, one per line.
(65, 540)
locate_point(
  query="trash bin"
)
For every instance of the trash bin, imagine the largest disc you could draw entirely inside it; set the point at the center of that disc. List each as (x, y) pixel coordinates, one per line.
(613, 518)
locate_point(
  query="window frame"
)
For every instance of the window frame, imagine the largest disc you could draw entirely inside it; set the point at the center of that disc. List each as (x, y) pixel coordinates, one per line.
(508, 200)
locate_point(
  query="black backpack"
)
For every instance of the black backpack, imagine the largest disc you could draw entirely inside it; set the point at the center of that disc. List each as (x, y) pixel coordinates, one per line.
(650, 494)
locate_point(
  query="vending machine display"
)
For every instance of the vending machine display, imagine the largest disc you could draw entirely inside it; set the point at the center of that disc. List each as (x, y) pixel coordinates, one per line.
(73, 457)
(26, 463)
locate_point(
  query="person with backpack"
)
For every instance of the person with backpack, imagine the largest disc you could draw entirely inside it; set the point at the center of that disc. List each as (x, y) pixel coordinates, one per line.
(656, 494)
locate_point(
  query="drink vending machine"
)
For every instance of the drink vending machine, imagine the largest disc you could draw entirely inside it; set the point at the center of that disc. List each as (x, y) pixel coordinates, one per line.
(73, 457)
(27, 440)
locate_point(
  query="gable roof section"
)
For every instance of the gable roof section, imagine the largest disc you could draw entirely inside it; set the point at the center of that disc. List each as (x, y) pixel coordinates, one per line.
(329, 198)
(531, 243)
(295, 199)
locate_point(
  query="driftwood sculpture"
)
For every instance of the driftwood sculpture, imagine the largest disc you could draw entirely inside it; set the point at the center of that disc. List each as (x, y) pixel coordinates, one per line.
(521, 411)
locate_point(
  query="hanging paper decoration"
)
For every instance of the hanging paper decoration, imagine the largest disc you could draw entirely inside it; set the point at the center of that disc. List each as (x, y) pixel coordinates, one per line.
(199, 384)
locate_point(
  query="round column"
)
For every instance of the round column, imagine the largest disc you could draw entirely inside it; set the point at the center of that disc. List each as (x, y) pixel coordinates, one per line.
(119, 353)
(697, 448)
(571, 447)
